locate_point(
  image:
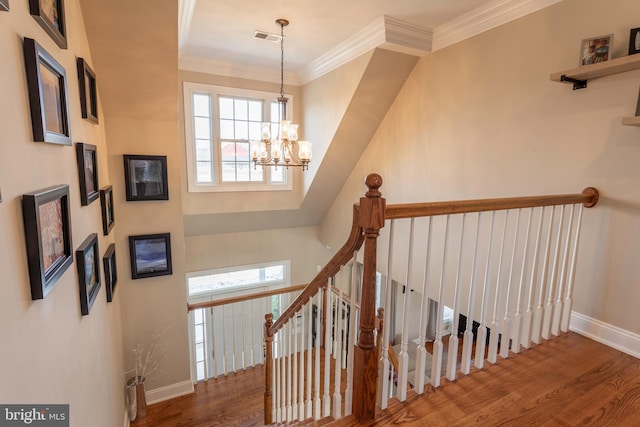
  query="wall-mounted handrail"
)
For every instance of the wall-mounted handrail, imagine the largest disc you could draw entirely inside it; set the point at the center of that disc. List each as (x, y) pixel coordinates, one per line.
(248, 297)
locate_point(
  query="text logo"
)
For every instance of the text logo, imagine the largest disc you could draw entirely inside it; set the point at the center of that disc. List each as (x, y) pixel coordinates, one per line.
(34, 415)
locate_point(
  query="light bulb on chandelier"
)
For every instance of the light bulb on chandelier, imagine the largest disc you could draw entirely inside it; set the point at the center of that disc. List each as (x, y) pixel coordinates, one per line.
(285, 149)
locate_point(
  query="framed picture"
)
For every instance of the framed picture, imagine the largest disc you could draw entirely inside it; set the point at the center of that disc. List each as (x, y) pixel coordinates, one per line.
(88, 91)
(110, 271)
(4, 4)
(87, 160)
(638, 106)
(634, 41)
(88, 261)
(47, 83)
(47, 229)
(108, 217)
(146, 177)
(596, 49)
(150, 255)
(50, 16)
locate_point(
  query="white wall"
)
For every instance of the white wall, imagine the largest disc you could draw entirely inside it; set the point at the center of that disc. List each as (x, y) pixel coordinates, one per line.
(482, 119)
(51, 354)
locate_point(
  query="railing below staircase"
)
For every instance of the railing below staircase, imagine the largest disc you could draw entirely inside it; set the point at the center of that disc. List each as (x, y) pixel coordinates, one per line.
(506, 267)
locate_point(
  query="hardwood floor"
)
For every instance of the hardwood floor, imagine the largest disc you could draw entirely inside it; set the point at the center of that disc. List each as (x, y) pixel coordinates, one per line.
(567, 381)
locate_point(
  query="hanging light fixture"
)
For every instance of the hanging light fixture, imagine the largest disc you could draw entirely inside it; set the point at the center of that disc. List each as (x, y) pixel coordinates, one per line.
(284, 149)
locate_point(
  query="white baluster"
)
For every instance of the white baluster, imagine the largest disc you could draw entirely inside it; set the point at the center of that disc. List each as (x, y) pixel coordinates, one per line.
(452, 362)
(316, 382)
(224, 343)
(506, 321)
(436, 366)
(527, 319)
(289, 377)
(300, 355)
(274, 378)
(326, 398)
(294, 356)
(536, 327)
(467, 342)
(566, 308)
(385, 387)
(557, 307)
(337, 397)
(309, 402)
(548, 310)
(351, 331)
(516, 327)
(492, 356)
(279, 377)
(421, 351)
(481, 338)
(403, 357)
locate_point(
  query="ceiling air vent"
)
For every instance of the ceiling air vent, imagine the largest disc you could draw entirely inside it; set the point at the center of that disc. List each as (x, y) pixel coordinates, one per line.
(267, 36)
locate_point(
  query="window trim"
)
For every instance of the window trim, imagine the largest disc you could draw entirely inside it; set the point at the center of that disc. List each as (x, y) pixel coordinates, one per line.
(189, 88)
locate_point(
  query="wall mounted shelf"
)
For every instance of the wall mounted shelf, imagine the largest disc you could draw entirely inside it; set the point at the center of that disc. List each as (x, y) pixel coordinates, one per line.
(580, 75)
(631, 121)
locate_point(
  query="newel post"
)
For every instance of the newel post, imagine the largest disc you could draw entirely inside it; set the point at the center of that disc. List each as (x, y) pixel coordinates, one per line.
(365, 360)
(268, 365)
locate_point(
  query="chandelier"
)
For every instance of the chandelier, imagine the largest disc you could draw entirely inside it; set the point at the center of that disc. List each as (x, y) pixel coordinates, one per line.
(281, 147)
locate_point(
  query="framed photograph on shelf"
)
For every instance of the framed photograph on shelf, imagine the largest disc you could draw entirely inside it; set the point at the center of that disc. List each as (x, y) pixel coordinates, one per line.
(4, 4)
(596, 49)
(88, 91)
(150, 255)
(47, 84)
(110, 271)
(47, 228)
(87, 159)
(146, 177)
(108, 217)
(88, 261)
(50, 16)
(634, 41)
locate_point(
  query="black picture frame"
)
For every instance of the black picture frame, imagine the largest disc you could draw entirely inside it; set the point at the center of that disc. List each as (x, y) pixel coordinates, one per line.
(145, 177)
(108, 214)
(48, 99)
(4, 5)
(150, 255)
(634, 41)
(87, 160)
(47, 229)
(50, 15)
(110, 271)
(88, 263)
(88, 91)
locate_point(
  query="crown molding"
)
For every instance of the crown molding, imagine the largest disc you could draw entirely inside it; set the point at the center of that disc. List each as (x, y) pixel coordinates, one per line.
(485, 18)
(213, 66)
(385, 32)
(185, 15)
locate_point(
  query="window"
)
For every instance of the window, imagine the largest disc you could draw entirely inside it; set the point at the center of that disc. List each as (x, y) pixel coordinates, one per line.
(220, 124)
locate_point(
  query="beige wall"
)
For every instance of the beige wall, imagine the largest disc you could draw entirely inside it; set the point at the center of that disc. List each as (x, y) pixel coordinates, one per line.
(481, 119)
(50, 352)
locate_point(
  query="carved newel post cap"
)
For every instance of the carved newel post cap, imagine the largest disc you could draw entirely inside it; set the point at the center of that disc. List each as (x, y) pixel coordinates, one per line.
(268, 318)
(373, 182)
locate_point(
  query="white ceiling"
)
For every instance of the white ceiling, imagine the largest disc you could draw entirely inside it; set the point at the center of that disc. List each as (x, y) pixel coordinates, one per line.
(220, 32)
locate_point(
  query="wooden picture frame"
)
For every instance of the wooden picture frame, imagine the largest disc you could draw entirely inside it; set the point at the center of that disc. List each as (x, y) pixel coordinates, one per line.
(50, 15)
(634, 41)
(4, 5)
(150, 255)
(87, 160)
(88, 91)
(145, 177)
(47, 84)
(110, 271)
(47, 227)
(596, 49)
(88, 262)
(108, 215)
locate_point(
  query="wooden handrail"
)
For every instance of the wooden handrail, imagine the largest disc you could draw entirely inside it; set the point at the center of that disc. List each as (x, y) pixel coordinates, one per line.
(342, 257)
(247, 297)
(589, 197)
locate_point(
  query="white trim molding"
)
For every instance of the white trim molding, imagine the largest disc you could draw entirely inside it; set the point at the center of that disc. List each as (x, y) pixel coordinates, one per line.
(171, 391)
(185, 15)
(484, 18)
(606, 334)
(126, 422)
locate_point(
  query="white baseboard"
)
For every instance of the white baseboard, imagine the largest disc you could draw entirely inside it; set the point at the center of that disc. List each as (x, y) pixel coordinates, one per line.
(169, 392)
(606, 334)
(126, 422)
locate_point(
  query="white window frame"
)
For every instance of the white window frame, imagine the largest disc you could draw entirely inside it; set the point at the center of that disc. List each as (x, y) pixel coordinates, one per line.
(189, 88)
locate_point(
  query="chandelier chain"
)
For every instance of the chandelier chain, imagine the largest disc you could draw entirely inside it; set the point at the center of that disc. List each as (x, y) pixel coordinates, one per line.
(281, 60)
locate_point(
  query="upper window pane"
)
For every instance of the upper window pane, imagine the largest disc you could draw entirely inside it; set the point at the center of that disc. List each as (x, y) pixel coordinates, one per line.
(226, 108)
(236, 279)
(201, 105)
(241, 109)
